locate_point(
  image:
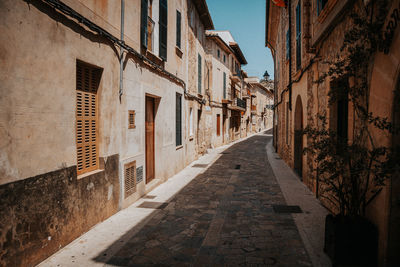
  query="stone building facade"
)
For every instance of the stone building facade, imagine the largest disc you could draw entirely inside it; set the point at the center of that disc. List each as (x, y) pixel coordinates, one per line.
(302, 37)
(262, 99)
(102, 104)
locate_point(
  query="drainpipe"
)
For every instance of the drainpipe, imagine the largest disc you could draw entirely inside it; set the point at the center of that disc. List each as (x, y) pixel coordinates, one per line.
(121, 51)
(290, 54)
(275, 127)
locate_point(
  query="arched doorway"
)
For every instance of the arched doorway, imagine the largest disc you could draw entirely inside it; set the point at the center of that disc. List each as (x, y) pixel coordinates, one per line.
(298, 137)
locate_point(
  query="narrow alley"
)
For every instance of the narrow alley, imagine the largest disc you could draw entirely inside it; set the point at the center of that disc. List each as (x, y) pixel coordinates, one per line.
(224, 216)
(233, 213)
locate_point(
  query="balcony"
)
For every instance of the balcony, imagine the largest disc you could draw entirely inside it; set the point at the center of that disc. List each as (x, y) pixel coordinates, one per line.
(238, 104)
(235, 77)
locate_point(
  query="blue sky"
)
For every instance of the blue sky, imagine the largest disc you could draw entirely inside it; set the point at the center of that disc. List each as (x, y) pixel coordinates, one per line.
(245, 19)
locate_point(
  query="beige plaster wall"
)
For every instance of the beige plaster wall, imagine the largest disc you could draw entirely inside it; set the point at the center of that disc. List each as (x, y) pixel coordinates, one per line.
(37, 100)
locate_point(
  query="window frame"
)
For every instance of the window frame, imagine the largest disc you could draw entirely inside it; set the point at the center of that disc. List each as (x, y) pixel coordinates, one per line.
(178, 120)
(199, 73)
(178, 29)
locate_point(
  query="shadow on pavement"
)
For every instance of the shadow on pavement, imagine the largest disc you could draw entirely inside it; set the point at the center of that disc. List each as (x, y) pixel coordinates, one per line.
(224, 216)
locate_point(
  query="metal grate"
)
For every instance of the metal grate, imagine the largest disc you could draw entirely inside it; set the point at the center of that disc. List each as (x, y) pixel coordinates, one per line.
(286, 209)
(130, 178)
(200, 165)
(131, 119)
(153, 205)
(149, 197)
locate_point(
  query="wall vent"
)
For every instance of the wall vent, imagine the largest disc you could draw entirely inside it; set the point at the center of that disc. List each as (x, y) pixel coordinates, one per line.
(130, 178)
(131, 119)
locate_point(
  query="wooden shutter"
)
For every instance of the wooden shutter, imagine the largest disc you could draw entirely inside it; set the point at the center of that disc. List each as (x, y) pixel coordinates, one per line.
(224, 85)
(143, 23)
(199, 74)
(178, 119)
(163, 21)
(218, 124)
(130, 178)
(178, 28)
(87, 83)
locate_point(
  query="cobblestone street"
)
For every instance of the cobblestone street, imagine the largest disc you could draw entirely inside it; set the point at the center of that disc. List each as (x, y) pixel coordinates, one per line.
(225, 216)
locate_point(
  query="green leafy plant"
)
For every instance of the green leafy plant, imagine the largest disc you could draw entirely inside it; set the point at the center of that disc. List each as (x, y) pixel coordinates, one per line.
(352, 171)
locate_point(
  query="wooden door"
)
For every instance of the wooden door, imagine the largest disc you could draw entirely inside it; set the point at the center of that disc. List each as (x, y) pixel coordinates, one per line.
(223, 128)
(218, 124)
(150, 125)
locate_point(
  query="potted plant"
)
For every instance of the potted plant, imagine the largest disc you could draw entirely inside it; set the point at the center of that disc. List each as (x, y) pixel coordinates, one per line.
(352, 170)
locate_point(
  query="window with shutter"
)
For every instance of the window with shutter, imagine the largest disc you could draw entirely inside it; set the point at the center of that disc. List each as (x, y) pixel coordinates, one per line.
(163, 23)
(143, 23)
(87, 83)
(224, 85)
(199, 74)
(178, 119)
(178, 29)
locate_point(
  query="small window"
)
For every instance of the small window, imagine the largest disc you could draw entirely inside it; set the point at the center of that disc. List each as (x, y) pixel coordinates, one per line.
(218, 53)
(178, 28)
(224, 58)
(199, 74)
(131, 119)
(178, 119)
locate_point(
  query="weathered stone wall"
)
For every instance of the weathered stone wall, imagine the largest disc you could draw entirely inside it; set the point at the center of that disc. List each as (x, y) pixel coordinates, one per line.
(41, 214)
(384, 76)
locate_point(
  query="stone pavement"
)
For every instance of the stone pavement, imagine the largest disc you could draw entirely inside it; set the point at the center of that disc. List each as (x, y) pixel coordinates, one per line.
(225, 216)
(218, 211)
